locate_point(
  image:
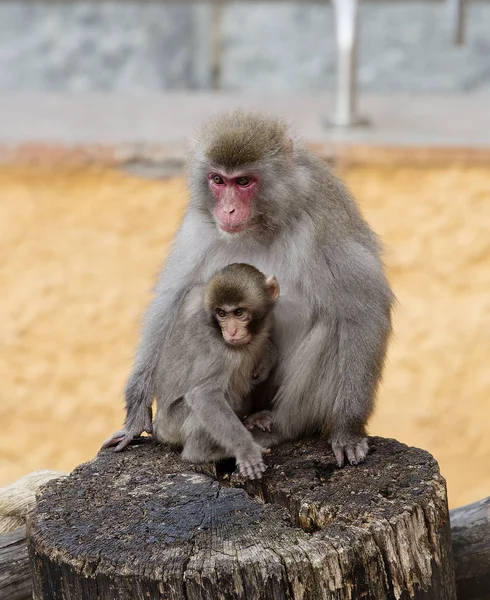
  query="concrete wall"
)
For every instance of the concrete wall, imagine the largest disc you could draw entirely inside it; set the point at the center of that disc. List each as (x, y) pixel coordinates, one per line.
(101, 46)
(136, 46)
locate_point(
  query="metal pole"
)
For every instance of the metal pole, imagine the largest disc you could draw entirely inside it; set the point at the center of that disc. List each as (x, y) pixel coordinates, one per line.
(457, 19)
(216, 43)
(347, 37)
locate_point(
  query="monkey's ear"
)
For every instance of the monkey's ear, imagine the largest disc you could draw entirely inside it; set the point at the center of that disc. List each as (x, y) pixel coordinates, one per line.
(272, 287)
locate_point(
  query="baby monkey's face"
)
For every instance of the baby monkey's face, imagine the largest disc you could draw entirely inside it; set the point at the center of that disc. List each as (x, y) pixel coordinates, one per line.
(234, 322)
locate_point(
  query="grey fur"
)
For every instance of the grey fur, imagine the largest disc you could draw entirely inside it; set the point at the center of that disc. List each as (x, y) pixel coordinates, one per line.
(334, 314)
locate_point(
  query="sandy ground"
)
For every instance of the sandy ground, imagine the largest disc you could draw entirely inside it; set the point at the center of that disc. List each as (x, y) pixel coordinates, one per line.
(79, 251)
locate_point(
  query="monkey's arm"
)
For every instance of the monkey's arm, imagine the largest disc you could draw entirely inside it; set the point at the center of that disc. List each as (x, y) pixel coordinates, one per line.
(363, 301)
(212, 412)
(177, 277)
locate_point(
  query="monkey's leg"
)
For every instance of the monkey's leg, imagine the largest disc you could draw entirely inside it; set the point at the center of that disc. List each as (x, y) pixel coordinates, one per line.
(213, 413)
(169, 421)
(362, 348)
(201, 448)
(262, 420)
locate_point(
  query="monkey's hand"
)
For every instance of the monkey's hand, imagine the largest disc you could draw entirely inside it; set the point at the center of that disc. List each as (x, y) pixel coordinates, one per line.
(250, 462)
(355, 450)
(262, 420)
(122, 438)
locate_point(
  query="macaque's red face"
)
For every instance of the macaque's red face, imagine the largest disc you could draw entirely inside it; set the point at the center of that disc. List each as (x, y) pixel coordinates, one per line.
(233, 196)
(234, 324)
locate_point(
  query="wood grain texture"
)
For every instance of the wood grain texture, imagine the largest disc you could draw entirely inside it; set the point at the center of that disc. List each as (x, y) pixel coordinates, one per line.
(142, 524)
(15, 579)
(471, 547)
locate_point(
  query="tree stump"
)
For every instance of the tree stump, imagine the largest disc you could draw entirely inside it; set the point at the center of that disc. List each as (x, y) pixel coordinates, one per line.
(143, 524)
(471, 547)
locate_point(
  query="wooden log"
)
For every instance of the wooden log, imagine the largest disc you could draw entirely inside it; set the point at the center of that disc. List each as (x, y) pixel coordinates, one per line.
(471, 547)
(142, 524)
(15, 577)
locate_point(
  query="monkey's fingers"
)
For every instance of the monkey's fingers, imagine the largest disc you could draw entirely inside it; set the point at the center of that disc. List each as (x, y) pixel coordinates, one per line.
(263, 420)
(351, 454)
(243, 469)
(355, 452)
(124, 443)
(251, 470)
(362, 449)
(339, 456)
(258, 469)
(114, 439)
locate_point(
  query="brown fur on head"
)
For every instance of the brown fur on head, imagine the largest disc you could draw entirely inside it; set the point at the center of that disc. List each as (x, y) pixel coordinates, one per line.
(238, 298)
(236, 139)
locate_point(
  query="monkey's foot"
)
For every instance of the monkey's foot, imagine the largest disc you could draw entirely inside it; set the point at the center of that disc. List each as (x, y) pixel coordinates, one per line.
(355, 452)
(252, 466)
(122, 438)
(262, 420)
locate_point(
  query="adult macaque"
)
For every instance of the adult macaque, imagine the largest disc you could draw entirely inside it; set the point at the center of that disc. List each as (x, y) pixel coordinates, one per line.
(219, 348)
(257, 196)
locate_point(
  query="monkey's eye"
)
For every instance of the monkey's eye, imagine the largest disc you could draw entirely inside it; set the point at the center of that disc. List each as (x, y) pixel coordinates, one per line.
(221, 313)
(239, 312)
(218, 180)
(243, 181)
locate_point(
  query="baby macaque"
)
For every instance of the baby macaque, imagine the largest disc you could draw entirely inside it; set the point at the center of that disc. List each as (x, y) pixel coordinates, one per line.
(220, 347)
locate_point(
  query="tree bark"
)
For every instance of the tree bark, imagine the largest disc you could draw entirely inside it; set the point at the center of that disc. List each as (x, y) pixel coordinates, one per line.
(143, 524)
(15, 579)
(471, 546)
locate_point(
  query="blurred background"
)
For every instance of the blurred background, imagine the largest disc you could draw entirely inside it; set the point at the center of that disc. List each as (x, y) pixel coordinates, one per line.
(97, 100)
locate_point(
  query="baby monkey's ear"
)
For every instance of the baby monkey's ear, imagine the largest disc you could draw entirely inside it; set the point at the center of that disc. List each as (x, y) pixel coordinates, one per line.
(272, 287)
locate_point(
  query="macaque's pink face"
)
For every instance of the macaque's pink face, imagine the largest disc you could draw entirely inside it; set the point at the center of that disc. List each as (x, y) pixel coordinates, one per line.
(233, 196)
(234, 324)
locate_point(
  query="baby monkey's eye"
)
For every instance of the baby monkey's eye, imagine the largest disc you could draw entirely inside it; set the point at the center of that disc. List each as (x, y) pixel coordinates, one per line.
(239, 312)
(243, 181)
(217, 179)
(221, 313)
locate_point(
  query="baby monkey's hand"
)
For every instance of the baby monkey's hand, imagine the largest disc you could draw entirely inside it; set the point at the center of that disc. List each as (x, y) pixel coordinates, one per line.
(250, 464)
(262, 420)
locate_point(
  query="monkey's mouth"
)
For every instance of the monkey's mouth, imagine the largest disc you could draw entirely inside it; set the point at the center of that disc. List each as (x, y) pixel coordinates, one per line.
(234, 228)
(240, 341)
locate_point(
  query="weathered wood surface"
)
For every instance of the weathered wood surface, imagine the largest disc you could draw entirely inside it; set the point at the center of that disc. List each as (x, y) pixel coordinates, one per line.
(142, 524)
(15, 577)
(471, 546)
